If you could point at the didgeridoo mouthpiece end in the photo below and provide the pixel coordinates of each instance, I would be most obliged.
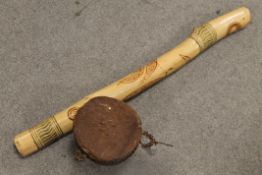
(24, 144)
(231, 22)
(220, 27)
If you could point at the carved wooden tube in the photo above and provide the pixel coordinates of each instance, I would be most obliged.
(201, 38)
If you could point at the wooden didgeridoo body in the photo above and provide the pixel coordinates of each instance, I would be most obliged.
(201, 38)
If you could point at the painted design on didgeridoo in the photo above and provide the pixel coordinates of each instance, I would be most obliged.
(132, 77)
(71, 113)
(46, 132)
(184, 57)
(150, 69)
(204, 36)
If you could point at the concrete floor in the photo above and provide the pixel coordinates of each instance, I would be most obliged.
(52, 53)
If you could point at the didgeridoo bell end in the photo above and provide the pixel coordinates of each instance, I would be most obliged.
(25, 144)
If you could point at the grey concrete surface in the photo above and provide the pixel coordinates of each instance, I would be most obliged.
(52, 53)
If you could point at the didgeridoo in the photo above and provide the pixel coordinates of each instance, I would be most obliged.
(201, 38)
